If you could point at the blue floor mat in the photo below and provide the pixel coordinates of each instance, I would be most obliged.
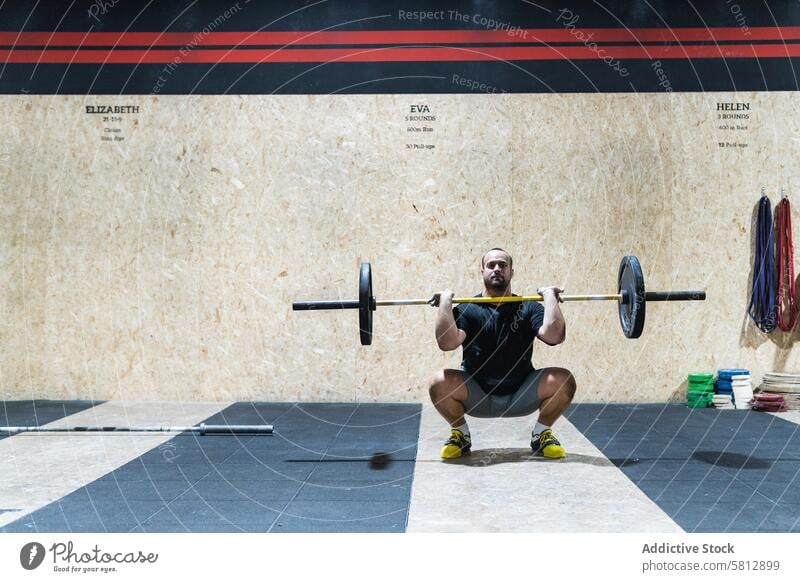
(709, 470)
(316, 474)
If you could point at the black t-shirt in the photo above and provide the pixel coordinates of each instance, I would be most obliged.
(499, 342)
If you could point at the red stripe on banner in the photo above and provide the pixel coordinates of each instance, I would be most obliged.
(356, 37)
(399, 54)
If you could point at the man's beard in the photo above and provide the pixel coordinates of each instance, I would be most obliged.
(496, 284)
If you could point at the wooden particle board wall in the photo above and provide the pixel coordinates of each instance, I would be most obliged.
(163, 265)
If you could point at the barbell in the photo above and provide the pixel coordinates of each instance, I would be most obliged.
(631, 297)
(202, 429)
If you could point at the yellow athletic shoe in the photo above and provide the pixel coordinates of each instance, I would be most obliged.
(546, 445)
(458, 444)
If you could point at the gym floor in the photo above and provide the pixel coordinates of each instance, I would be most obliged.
(630, 468)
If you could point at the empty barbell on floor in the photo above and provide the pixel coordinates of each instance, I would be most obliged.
(202, 429)
(630, 296)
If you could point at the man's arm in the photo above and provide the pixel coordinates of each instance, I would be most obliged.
(553, 330)
(448, 336)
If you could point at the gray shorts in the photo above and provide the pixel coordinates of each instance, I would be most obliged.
(523, 402)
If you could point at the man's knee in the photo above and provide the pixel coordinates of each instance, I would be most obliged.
(562, 382)
(445, 384)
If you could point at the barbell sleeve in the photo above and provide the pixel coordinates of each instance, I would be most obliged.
(675, 295)
(318, 305)
(265, 429)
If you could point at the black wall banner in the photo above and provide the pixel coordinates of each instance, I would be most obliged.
(397, 46)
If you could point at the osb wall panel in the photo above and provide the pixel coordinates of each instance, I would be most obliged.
(164, 266)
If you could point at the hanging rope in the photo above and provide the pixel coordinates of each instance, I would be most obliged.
(762, 307)
(784, 258)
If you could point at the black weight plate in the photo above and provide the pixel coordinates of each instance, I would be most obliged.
(365, 304)
(630, 283)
